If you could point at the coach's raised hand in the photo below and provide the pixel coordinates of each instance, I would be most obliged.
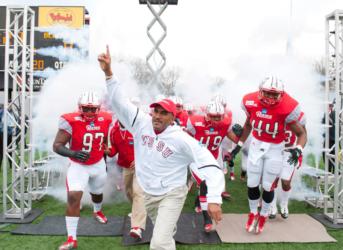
(105, 62)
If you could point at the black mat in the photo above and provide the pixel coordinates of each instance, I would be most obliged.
(190, 230)
(146, 235)
(31, 217)
(326, 222)
(55, 225)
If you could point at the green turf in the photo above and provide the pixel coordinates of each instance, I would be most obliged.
(237, 204)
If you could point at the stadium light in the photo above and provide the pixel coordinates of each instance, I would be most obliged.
(170, 2)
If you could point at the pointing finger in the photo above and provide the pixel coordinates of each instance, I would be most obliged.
(107, 50)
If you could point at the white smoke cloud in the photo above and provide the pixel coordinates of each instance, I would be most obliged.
(69, 35)
(63, 54)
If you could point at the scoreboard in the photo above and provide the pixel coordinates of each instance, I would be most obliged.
(45, 17)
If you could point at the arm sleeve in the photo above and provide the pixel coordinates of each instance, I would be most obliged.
(293, 116)
(206, 168)
(127, 113)
(64, 125)
(244, 108)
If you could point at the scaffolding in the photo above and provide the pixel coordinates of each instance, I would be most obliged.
(154, 67)
(17, 155)
(333, 194)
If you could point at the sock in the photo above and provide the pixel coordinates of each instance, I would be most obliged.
(97, 206)
(284, 197)
(253, 204)
(203, 203)
(71, 223)
(232, 169)
(273, 208)
(265, 208)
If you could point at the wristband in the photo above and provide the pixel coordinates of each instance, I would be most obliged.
(300, 147)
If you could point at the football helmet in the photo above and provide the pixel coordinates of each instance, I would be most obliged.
(271, 91)
(89, 105)
(220, 99)
(214, 112)
(177, 100)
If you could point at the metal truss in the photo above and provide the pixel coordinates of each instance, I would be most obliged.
(154, 66)
(333, 196)
(18, 156)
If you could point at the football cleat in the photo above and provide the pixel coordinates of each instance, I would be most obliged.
(198, 209)
(232, 176)
(273, 211)
(69, 244)
(284, 212)
(260, 225)
(252, 221)
(100, 217)
(208, 225)
(136, 233)
(226, 195)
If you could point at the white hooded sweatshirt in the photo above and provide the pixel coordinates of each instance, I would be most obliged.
(162, 160)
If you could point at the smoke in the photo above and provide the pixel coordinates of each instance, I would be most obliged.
(239, 61)
(302, 189)
(56, 168)
(63, 54)
(80, 37)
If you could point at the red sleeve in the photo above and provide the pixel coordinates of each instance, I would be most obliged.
(113, 151)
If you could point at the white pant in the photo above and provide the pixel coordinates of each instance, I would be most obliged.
(164, 211)
(264, 163)
(79, 176)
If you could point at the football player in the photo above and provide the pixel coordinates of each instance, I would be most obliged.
(122, 144)
(86, 133)
(287, 172)
(181, 114)
(209, 130)
(268, 111)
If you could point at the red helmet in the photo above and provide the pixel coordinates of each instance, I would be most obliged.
(271, 91)
(89, 105)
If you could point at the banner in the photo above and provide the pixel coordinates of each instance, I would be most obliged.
(72, 17)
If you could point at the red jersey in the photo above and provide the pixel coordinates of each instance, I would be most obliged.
(208, 135)
(122, 143)
(87, 136)
(181, 118)
(290, 136)
(269, 123)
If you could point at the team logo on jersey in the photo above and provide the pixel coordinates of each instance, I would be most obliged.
(211, 131)
(261, 114)
(264, 111)
(250, 103)
(91, 127)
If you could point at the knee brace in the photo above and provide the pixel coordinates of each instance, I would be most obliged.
(268, 196)
(254, 193)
